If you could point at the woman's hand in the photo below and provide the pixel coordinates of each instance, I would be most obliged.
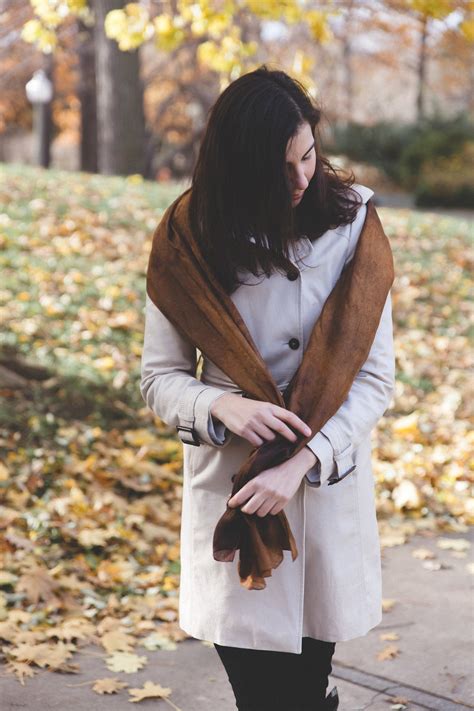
(255, 420)
(271, 490)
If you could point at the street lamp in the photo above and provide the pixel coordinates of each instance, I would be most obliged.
(39, 91)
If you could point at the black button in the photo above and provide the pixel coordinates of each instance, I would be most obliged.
(292, 275)
(294, 343)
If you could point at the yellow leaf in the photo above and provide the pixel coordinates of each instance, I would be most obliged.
(92, 537)
(423, 553)
(406, 425)
(389, 652)
(125, 662)
(117, 641)
(387, 604)
(149, 691)
(389, 636)
(108, 685)
(455, 544)
(105, 363)
(406, 495)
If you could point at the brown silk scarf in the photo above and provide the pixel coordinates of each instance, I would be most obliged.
(181, 285)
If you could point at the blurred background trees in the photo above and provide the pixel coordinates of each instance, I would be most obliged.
(133, 82)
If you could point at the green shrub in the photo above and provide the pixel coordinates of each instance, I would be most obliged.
(402, 150)
(432, 139)
(448, 182)
(380, 145)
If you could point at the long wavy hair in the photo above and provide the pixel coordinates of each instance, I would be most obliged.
(240, 188)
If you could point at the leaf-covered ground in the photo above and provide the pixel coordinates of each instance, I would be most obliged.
(90, 479)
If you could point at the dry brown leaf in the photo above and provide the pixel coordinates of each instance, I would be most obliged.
(406, 495)
(150, 690)
(73, 628)
(44, 654)
(7, 516)
(21, 670)
(423, 553)
(38, 585)
(389, 652)
(435, 565)
(455, 544)
(118, 641)
(389, 540)
(389, 636)
(8, 631)
(108, 685)
(125, 662)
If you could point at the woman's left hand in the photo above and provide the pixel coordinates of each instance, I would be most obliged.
(271, 490)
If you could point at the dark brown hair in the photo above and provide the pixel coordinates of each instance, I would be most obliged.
(240, 187)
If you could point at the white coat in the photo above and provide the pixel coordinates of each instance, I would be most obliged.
(332, 591)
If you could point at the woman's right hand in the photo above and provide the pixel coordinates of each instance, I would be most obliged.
(256, 421)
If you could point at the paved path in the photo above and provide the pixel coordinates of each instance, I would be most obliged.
(433, 669)
(407, 200)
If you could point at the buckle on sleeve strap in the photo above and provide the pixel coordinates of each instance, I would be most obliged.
(184, 438)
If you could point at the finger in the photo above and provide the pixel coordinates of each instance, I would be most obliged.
(293, 420)
(280, 427)
(242, 494)
(276, 508)
(255, 502)
(253, 438)
(265, 431)
(266, 507)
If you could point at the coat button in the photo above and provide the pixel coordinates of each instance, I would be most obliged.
(292, 275)
(294, 343)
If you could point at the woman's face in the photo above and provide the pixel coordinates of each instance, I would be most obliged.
(300, 161)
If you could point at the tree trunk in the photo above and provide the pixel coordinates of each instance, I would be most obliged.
(421, 73)
(87, 97)
(43, 120)
(120, 114)
(348, 79)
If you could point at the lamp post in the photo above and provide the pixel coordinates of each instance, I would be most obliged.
(39, 91)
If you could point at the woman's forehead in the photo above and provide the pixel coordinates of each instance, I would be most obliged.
(300, 143)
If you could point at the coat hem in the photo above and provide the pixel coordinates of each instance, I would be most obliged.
(327, 637)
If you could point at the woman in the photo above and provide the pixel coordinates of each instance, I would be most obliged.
(277, 225)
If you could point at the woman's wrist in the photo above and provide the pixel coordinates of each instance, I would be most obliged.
(218, 403)
(307, 458)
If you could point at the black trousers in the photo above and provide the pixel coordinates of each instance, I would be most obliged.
(264, 680)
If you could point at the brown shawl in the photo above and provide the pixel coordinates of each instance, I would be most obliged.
(181, 285)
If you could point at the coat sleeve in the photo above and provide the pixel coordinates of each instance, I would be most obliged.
(368, 399)
(168, 384)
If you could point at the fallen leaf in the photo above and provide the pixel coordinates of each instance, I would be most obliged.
(455, 544)
(435, 565)
(149, 691)
(389, 636)
(117, 641)
(125, 662)
(423, 553)
(392, 539)
(108, 685)
(389, 652)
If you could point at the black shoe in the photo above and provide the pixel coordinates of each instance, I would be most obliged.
(331, 702)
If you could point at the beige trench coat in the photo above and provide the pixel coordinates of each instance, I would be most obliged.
(332, 591)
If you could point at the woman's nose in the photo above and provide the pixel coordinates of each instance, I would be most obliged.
(300, 182)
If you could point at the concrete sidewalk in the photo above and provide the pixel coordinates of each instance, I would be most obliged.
(432, 669)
